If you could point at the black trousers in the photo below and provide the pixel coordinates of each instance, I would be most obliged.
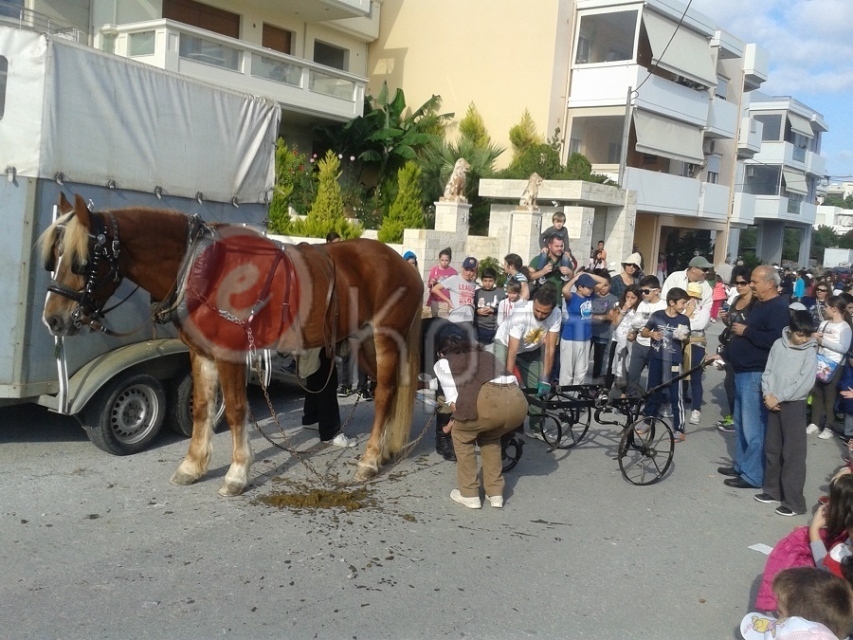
(785, 455)
(321, 399)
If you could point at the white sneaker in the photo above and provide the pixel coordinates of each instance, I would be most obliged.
(694, 417)
(342, 441)
(533, 433)
(496, 501)
(471, 503)
(826, 434)
(812, 429)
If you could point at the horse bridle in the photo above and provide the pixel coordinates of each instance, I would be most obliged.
(102, 250)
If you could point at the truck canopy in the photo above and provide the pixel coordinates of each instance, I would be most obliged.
(97, 118)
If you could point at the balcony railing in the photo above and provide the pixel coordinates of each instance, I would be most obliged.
(291, 81)
(676, 195)
(16, 16)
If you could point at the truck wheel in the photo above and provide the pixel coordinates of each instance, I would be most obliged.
(125, 416)
(181, 407)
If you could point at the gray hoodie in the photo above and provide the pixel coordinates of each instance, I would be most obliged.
(791, 369)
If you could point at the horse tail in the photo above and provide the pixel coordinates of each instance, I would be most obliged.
(403, 405)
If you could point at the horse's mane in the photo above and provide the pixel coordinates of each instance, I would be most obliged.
(75, 239)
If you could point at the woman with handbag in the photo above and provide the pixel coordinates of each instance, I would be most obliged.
(833, 335)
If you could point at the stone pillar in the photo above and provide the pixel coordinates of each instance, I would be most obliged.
(579, 225)
(524, 232)
(769, 241)
(452, 216)
(805, 247)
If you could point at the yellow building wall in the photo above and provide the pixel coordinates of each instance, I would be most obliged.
(504, 56)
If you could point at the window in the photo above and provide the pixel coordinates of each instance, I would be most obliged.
(141, 44)
(614, 152)
(202, 16)
(277, 39)
(762, 180)
(772, 126)
(11, 9)
(330, 56)
(4, 71)
(712, 177)
(606, 37)
(574, 146)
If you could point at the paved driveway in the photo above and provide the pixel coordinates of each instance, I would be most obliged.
(97, 546)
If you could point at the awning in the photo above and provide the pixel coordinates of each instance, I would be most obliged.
(795, 182)
(800, 125)
(660, 136)
(688, 55)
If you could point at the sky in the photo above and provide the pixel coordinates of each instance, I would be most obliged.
(810, 43)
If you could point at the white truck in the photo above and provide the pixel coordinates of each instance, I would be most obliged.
(119, 133)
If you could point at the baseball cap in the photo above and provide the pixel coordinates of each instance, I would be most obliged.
(469, 263)
(694, 290)
(701, 263)
(797, 306)
(756, 626)
(634, 259)
(585, 280)
(409, 255)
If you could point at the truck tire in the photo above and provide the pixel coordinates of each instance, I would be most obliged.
(181, 403)
(126, 415)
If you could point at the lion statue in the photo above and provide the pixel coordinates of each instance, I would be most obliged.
(531, 191)
(456, 184)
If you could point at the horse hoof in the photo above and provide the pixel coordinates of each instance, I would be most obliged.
(231, 489)
(366, 471)
(182, 479)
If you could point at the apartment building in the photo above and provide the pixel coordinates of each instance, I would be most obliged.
(654, 94)
(779, 184)
(308, 55)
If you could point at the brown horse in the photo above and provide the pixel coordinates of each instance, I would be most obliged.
(320, 294)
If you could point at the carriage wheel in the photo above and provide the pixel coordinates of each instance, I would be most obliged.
(552, 430)
(125, 416)
(511, 450)
(181, 407)
(645, 450)
(574, 423)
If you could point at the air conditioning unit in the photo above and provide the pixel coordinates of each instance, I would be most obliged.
(708, 147)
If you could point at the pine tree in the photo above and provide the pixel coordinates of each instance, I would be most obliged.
(473, 128)
(405, 212)
(327, 212)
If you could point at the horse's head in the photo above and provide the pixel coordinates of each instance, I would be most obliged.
(82, 250)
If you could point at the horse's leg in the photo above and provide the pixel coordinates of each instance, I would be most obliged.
(195, 464)
(232, 377)
(381, 358)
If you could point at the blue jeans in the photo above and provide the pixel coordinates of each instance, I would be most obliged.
(750, 418)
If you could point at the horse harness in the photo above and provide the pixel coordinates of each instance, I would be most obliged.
(102, 250)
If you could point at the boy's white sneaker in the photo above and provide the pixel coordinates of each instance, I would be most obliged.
(812, 429)
(496, 501)
(826, 434)
(471, 503)
(694, 417)
(342, 441)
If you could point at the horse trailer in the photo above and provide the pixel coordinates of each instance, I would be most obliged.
(74, 120)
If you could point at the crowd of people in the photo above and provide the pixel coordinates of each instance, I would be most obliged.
(785, 347)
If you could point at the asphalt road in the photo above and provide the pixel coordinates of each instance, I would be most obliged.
(97, 546)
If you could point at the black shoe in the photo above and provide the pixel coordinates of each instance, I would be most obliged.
(844, 438)
(366, 394)
(728, 471)
(738, 483)
(765, 498)
(785, 511)
(444, 448)
(344, 391)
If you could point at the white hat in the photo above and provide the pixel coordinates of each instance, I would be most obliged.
(634, 259)
(756, 626)
(797, 306)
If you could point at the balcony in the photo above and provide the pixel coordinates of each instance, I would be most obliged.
(669, 194)
(783, 153)
(297, 84)
(749, 137)
(755, 66)
(607, 84)
(743, 209)
(782, 208)
(815, 164)
(722, 120)
(322, 10)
